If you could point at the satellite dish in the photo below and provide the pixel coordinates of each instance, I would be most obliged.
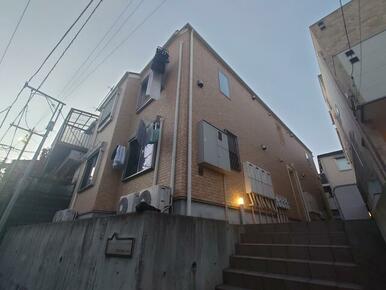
(123, 206)
(145, 197)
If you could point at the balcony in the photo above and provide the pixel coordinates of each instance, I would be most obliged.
(74, 138)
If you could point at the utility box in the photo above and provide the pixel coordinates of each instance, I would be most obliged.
(213, 150)
(258, 180)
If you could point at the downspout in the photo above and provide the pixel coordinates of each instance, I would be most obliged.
(175, 130)
(155, 176)
(189, 183)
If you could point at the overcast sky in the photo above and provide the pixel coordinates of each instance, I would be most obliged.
(267, 42)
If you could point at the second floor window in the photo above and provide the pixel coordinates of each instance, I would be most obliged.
(140, 158)
(143, 96)
(106, 112)
(224, 84)
(89, 171)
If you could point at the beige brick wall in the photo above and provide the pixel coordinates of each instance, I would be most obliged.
(248, 119)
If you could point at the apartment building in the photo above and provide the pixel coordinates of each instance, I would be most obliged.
(350, 48)
(188, 122)
(340, 189)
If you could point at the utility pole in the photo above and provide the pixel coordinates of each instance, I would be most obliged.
(22, 184)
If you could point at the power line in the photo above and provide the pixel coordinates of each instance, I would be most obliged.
(110, 39)
(61, 40)
(14, 32)
(344, 23)
(360, 45)
(70, 43)
(64, 52)
(117, 47)
(96, 47)
(8, 109)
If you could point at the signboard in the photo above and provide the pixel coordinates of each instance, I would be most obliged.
(119, 247)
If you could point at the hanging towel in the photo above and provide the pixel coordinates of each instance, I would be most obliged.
(119, 158)
(141, 133)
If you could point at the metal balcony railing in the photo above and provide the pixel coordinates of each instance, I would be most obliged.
(77, 130)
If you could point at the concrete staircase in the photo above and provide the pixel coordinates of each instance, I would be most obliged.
(292, 256)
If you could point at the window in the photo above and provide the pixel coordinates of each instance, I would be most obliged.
(143, 97)
(224, 84)
(342, 164)
(106, 112)
(234, 156)
(89, 171)
(140, 158)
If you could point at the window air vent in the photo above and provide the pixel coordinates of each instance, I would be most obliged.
(321, 25)
(349, 53)
(354, 59)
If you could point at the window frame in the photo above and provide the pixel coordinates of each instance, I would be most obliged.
(114, 98)
(125, 178)
(98, 153)
(140, 103)
(220, 72)
(235, 152)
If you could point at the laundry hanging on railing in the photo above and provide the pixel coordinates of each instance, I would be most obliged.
(118, 156)
(153, 131)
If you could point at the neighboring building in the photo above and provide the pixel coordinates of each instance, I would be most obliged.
(350, 47)
(339, 184)
(50, 186)
(213, 140)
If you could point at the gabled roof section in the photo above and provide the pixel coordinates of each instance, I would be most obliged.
(190, 27)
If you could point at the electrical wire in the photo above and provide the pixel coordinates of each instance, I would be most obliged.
(109, 41)
(60, 40)
(360, 46)
(96, 47)
(117, 47)
(8, 109)
(14, 32)
(61, 56)
(344, 23)
(64, 52)
(69, 44)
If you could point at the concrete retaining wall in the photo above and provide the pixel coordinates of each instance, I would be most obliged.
(170, 252)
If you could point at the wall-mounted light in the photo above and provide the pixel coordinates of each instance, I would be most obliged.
(240, 201)
(263, 147)
(200, 84)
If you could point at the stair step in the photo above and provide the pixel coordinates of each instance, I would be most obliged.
(229, 287)
(334, 271)
(337, 253)
(330, 238)
(269, 281)
(310, 227)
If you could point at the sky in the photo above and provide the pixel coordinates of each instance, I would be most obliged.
(267, 42)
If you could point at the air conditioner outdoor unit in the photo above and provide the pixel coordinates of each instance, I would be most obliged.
(64, 215)
(157, 196)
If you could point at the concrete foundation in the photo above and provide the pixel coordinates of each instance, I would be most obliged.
(170, 252)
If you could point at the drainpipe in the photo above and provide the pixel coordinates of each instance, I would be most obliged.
(175, 130)
(155, 176)
(189, 183)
